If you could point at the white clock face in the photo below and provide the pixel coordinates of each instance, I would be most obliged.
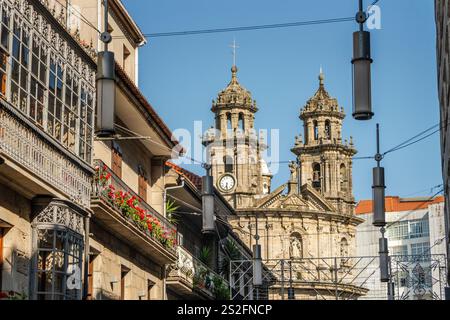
(226, 183)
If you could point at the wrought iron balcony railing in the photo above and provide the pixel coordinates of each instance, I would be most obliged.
(117, 194)
(30, 147)
(198, 276)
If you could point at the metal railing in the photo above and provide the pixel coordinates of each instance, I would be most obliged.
(350, 278)
(102, 190)
(23, 143)
(198, 275)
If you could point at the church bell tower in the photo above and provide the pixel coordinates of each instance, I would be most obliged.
(233, 148)
(325, 159)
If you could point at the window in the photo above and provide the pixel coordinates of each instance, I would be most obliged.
(420, 250)
(411, 229)
(59, 256)
(398, 231)
(228, 161)
(116, 160)
(316, 178)
(5, 27)
(241, 121)
(19, 65)
(3, 73)
(419, 229)
(327, 130)
(142, 183)
(123, 273)
(229, 124)
(316, 130)
(58, 247)
(47, 84)
(90, 293)
(343, 178)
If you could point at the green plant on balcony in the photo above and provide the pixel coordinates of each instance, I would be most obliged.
(200, 278)
(129, 206)
(205, 255)
(232, 254)
(171, 208)
(221, 290)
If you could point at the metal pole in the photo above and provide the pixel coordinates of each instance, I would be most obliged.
(106, 21)
(282, 279)
(391, 284)
(336, 278)
(361, 25)
(86, 257)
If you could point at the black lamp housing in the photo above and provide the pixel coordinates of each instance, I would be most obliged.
(208, 225)
(384, 260)
(106, 94)
(378, 191)
(257, 266)
(362, 86)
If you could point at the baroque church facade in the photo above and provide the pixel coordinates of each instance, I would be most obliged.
(308, 219)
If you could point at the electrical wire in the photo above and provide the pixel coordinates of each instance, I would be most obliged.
(390, 224)
(410, 141)
(244, 28)
(78, 14)
(249, 28)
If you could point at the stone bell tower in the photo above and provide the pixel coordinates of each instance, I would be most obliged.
(234, 150)
(325, 159)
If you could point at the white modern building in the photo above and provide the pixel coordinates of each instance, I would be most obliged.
(416, 235)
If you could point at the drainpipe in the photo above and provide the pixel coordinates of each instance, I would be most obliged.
(86, 256)
(165, 194)
(165, 213)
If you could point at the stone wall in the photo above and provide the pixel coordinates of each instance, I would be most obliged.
(15, 210)
(111, 254)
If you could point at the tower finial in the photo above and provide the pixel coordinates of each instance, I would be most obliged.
(234, 47)
(321, 76)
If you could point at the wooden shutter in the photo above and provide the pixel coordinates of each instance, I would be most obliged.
(90, 293)
(116, 161)
(122, 285)
(3, 84)
(142, 184)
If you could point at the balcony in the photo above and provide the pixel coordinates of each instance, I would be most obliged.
(35, 164)
(62, 12)
(121, 211)
(192, 279)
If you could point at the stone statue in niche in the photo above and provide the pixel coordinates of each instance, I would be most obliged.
(296, 246)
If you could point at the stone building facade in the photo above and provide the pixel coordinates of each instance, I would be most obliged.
(46, 150)
(443, 65)
(310, 218)
(82, 217)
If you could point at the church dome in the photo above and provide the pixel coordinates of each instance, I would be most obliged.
(234, 95)
(321, 102)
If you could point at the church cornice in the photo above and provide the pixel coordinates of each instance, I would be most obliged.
(293, 213)
(318, 148)
(318, 113)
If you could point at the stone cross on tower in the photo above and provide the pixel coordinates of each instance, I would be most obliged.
(234, 47)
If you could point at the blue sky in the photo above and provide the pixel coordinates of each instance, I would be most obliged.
(181, 75)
